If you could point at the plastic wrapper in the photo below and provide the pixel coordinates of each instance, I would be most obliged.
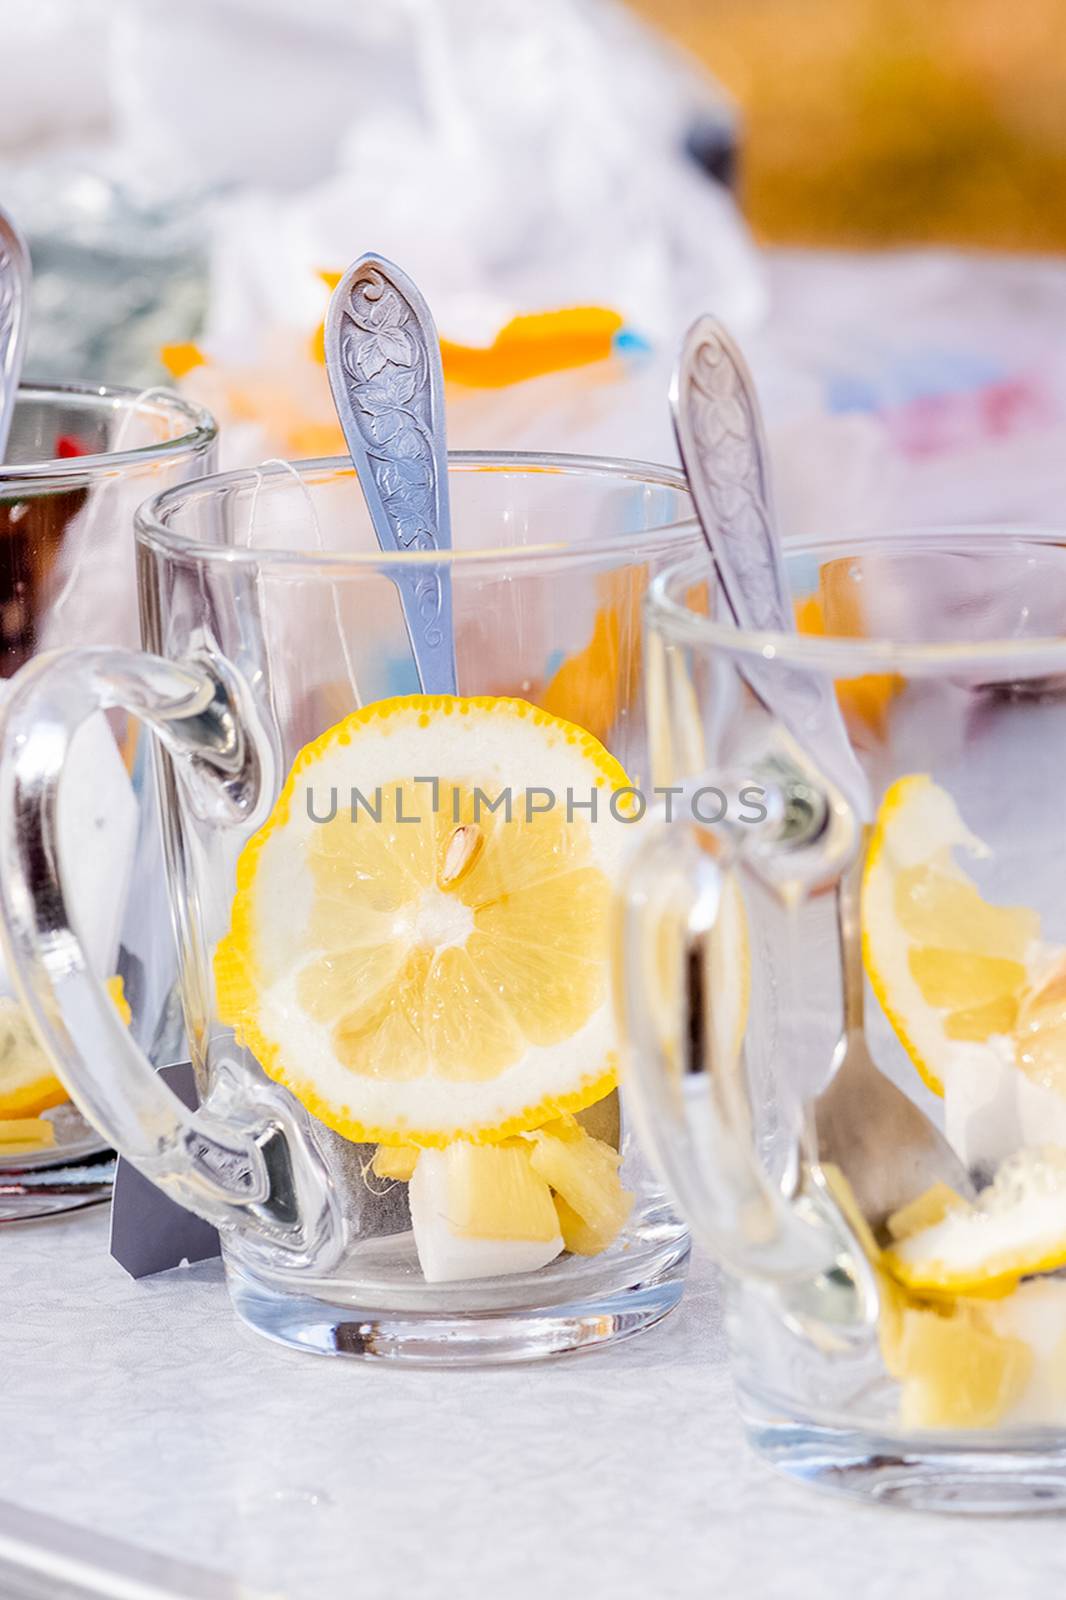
(516, 162)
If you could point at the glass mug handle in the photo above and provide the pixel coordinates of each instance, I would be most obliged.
(254, 1173)
(686, 1088)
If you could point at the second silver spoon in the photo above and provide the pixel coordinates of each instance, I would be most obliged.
(886, 1147)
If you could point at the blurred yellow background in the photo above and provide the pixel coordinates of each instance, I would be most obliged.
(871, 122)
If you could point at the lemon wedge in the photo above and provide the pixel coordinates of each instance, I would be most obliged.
(1017, 1227)
(948, 968)
(417, 968)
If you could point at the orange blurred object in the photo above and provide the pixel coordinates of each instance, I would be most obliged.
(180, 359)
(863, 700)
(526, 347)
(530, 346)
(587, 687)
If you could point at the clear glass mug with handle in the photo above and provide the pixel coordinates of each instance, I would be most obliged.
(80, 460)
(926, 1364)
(391, 909)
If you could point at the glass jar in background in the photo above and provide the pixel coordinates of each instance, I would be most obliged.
(80, 459)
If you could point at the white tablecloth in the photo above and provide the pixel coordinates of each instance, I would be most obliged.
(145, 1412)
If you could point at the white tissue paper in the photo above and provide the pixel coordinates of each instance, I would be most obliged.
(515, 160)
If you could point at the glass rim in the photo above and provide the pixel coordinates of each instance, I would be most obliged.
(201, 433)
(846, 657)
(153, 532)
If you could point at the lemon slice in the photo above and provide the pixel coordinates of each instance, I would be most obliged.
(1016, 1228)
(949, 969)
(418, 968)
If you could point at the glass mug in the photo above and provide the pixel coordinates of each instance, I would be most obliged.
(924, 1364)
(80, 460)
(355, 1216)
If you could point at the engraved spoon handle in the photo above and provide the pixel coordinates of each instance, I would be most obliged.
(384, 366)
(14, 308)
(720, 435)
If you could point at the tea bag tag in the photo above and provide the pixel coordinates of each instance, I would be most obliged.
(149, 1231)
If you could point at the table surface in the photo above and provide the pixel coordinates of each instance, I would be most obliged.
(144, 1412)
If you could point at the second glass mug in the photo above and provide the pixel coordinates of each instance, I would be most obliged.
(926, 1365)
(270, 616)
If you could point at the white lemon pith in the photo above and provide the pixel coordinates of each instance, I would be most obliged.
(420, 981)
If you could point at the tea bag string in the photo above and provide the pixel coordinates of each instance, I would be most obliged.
(96, 500)
(287, 466)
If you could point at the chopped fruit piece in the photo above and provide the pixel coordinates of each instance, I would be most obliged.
(948, 967)
(493, 1193)
(28, 1085)
(479, 1211)
(584, 1172)
(925, 1211)
(395, 1161)
(1017, 1227)
(956, 1372)
(960, 1363)
(578, 1237)
(21, 1136)
(419, 968)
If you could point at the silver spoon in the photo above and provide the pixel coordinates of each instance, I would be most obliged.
(722, 442)
(14, 309)
(384, 366)
(887, 1148)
